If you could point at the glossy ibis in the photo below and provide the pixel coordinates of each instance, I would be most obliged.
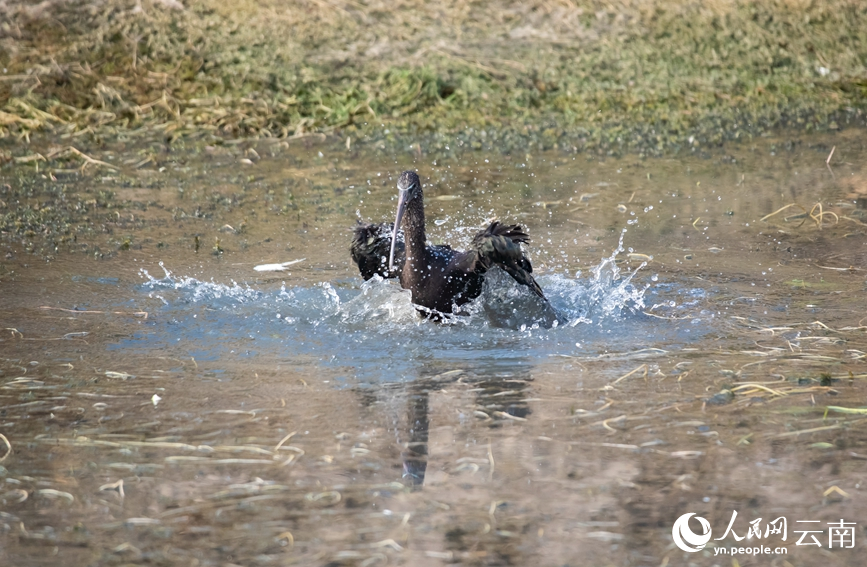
(439, 277)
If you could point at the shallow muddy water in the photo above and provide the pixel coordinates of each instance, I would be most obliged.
(167, 404)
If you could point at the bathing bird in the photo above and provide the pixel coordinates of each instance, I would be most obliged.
(439, 277)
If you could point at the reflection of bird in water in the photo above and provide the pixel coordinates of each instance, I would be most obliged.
(506, 395)
(414, 455)
(439, 277)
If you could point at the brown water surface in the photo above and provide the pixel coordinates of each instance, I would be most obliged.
(166, 404)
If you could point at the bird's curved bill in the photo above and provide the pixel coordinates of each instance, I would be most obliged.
(401, 208)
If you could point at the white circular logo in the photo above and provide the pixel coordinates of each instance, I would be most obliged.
(685, 538)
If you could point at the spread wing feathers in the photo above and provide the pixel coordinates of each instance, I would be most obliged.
(371, 244)
(500, 245)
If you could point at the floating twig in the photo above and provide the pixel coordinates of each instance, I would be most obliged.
(839, 409)
(51, 493)
(118, 486)
(780, 210)
(89, 160)
(491, 461)
(287, 438)
(755, 386)
(142, 314)
(628, 374)
(8, 447)
(820, 217)
(802, 431)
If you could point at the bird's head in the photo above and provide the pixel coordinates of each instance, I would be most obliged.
(408, 190)
(408, 187)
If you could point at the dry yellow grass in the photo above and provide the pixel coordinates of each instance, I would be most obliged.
(627, 74)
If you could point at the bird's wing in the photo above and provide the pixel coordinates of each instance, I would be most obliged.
(500, 245)
(371, 244)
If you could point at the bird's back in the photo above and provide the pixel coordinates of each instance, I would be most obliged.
(437, 280)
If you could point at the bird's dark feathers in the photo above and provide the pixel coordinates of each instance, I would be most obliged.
(439, 278)
(370, 247)
(497, 245)
(371, 244)
(500, 245)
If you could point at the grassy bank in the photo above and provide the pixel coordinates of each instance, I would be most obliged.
(611, 76)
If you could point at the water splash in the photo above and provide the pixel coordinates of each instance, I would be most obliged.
(372, 330)
(605, 295)
(197, 290)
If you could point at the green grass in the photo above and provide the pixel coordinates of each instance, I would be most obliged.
(644, 76)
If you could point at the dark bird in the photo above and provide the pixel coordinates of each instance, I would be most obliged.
(439, 277)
